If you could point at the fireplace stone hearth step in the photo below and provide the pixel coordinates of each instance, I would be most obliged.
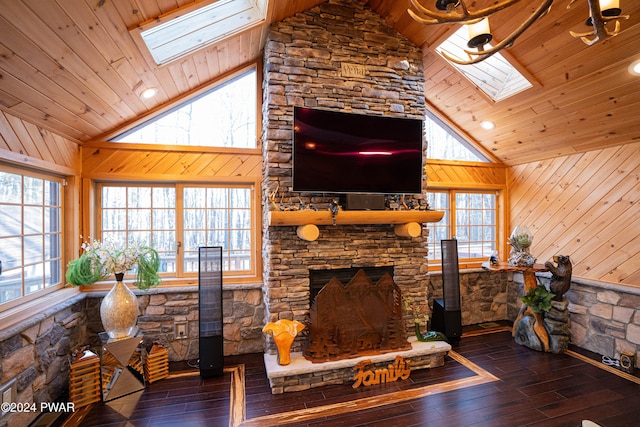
(302, 374)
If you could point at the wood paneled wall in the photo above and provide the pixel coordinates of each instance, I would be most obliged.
(452, 174)
(585, 206)
(108, 161)
(25, 143)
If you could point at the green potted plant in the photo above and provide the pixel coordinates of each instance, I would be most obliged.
(539, 299)
(119, 308)
(102, 259)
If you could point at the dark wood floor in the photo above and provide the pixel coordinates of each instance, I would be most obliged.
(532, 389)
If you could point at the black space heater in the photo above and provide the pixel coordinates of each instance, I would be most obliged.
(446, 316)
(211, 343)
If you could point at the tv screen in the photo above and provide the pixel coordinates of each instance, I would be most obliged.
(355, 153)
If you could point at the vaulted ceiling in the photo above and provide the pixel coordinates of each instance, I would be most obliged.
(72, 66)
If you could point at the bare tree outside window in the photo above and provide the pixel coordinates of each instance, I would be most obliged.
(225, 116)
(210, 216)
(445, 144)
(30, 234)
(469, 216)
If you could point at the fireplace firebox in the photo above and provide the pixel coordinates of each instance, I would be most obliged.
(356, 319)
(319, 278)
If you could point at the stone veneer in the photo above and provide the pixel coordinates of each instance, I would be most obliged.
(36, 353)
(483, 294)
(304, 375)
(162, 308)
(303, 60)
(604, 317)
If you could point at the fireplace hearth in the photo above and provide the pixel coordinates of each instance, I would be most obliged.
(357, 319)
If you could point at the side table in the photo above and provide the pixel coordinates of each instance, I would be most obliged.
(530, 282)
(121, 366)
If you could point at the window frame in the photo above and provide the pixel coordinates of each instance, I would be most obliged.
(180, 276)
(225, 251)
(46, 290)
(451, 226)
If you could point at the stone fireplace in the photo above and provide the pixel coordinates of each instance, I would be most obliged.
(308, 62)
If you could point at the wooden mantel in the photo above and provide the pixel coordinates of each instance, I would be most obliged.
(278, 218)
(407, 222)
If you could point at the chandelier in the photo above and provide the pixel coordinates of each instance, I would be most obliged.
(477, 21)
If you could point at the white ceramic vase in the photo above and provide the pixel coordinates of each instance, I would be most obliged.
(119, 311)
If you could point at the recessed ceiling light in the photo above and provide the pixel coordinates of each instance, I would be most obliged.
(487, 125)
(634, 68)
(148, 93)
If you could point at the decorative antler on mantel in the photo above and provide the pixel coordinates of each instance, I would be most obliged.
(458, 12)
(598, 20)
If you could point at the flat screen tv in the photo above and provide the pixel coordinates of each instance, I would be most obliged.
(355, 153)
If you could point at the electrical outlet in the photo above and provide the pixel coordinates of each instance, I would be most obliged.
(182, 330)
(627, 362)
(9, 393)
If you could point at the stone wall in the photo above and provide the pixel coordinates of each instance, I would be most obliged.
(162, 308)
(483, 294)
(604, 317)
(36, 353)
(303, 63)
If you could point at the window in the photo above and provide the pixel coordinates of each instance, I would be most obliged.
(218, 217)
(177, 219)
(446, 144)
(495, 76)
(30, 234)
(438, 230)
(184, 31)
(225, 116)
(470, 217)
(476, 227)
(144, 214)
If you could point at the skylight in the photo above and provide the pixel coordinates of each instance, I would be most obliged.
(495, 76)
(183, 32)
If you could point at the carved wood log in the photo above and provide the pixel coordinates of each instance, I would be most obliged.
(286, 218)
(540, 330)
(410, 229)
(309, 232)
(538, 325)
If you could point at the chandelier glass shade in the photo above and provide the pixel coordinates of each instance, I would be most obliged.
(602, 12)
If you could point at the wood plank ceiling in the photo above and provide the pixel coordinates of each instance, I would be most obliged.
(71, 66)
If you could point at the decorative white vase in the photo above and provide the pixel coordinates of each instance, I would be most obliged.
(119, 311)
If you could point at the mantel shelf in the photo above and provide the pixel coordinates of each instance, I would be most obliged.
(284, 218)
